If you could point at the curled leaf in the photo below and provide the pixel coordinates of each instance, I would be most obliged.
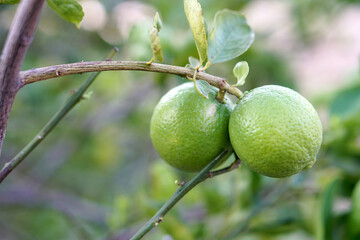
(230, 37)
(194, 15)
(155, 44)
(157, 22)
(240, 71)
(70, 10)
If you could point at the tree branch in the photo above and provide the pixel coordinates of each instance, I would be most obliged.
(18, 40)
(39, 74)
(71, 102)
(182, 191)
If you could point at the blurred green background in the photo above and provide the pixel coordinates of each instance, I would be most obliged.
(97, 175)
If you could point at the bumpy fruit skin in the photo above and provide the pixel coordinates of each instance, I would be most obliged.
(275, 131)
(187, 130)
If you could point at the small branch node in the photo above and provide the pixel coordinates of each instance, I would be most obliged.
(235, 164)
(222, 84)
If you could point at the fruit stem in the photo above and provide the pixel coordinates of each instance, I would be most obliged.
(220, 96)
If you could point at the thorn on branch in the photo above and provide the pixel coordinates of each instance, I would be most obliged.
(58, 72)
(86, 96)
(180, 183)
(160, 220)
(112, 54)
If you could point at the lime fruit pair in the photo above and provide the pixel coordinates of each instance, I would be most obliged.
(274, 130)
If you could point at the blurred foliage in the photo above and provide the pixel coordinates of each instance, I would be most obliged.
(97, 175)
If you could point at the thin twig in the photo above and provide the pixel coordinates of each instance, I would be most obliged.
(179, 193)
(69, 104)
(233, 166)
(39, 74)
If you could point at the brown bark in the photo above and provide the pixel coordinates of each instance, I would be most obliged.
(18, 40)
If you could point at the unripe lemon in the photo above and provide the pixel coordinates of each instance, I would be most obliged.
(275, 131)
(187, 130)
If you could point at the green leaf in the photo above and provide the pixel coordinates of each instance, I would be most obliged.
(194, 62)
(69, 10)
(241, 71)
(324, 226)
(194, 15)
(347, 103)
(9, 1)
(155, 44)
(354, 219)
(230, 37)
(203, 87)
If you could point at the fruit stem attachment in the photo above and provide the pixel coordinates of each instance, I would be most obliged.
(236, 92)
(234, 165)
(220, 96)
(183, 190)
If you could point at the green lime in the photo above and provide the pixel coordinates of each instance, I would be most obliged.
(275, 131)
(187, 130)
